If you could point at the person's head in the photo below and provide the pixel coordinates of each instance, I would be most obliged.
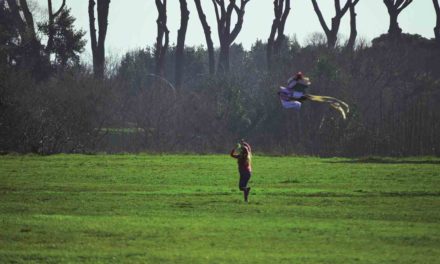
(298, 76)
(245, 152)
(244, 149)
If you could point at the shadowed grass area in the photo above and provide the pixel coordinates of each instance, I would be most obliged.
(187, 209)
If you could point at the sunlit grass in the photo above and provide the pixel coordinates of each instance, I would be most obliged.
(187, 209)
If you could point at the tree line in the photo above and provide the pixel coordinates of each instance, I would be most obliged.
(176, 98)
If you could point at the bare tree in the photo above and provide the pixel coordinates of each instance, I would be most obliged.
(437, 24)
(98, 45)
(24, 24)
(184, 17)
(29, 19)
(51, 29)
(29, 53)
(15, 12)
(332, 33)
(353, 30)
(162, 39)
(207, 31)
(281, 10)
(394, 8)
(223, 15)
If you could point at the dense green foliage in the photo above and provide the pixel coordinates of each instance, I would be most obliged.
(392, 89)
(187, 209)
(391, 86)
(68, 43)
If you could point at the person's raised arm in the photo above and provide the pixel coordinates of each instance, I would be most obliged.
(233, 154)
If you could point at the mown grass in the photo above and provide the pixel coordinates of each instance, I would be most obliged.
(187, 209)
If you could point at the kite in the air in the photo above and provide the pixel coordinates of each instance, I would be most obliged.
(294, 94)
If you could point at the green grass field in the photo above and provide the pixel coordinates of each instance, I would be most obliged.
(187, 209)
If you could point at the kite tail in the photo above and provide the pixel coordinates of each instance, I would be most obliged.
(335, 103)
(341, 110)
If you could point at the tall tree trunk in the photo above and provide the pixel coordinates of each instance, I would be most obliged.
(394, 30)
(223, 65)
(103, 7)
(280, 36)
(184, 17)
(24, 21)
(18, 21)
(93, 41)
(332, 33)
(207, 31)
(51, 29)
(437, 24)
(223, 15)
(271, 40)
(277, 29)
(29, 20)
(162, 39)
(353, 31)
(394, 8)
(98, 44)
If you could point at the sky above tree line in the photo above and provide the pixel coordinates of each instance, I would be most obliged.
(132, 23)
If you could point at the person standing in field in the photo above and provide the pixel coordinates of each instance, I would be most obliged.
(243, 153)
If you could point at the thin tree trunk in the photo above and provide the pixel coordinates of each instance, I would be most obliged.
(332, 33)
(223, 15)
(162, 39)
(18, 21)
(353, 31)
(437, 24)
(29, 20)
(93, 40)
(223, 65)
(184, 17)
(24, 21)
(24, 24)
(98, 44)
(394, 30)
(277, 29)
(103, 6)
(280, 36)
(332, 37)
(271, 39)
(207, 31)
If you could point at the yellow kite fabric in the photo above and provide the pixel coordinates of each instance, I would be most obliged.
(335, 103)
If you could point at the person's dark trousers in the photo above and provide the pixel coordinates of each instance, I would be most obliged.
(242, 185)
